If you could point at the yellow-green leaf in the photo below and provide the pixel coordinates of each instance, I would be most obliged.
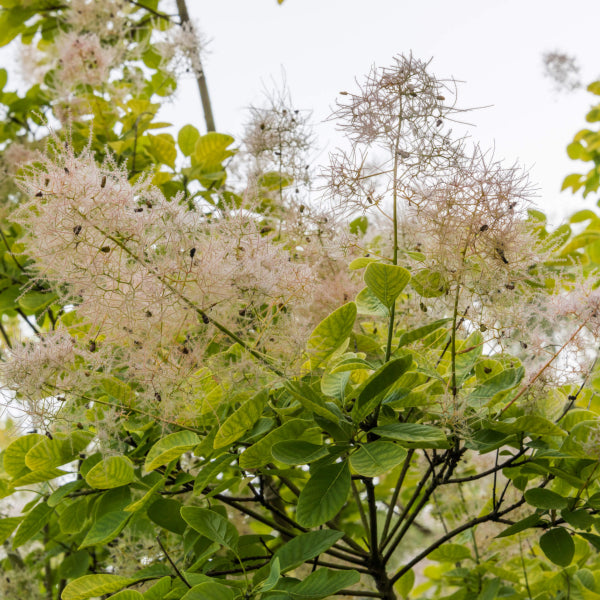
(111, 472)
(386, 281)
(241, 421)
(92, 586)
(330, 334)
(169, 448)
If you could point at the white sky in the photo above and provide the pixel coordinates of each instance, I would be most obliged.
(494, 46)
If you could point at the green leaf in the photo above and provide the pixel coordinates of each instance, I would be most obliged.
(166, 513)
(421, 436)
(367, 303)
(211, 150)
(359, 225)
(420, 332)
(558, 546)
(33, 302)
(32, 524)
(142, 502)
(310, 400)
(91, 586)
(375, 458)
(506, 380)
(304, 547)
(297, 452)
(259, 454)
(578, 518)
(74, 565)
(118, 389)
(274, 573)
(536, 425)
(73, 519)
(324, 494)
(159, 590)
(186, 138)
(386, 281)
(546, 499)
(15, 453)
(211, 525)
(106, 528)
(377, 383)
(127, 595)
(323, 583)
(274, 180)
(361, 262)
(111, 472)
(522, 525)
(7, 526)
(405, 584)
(330, 334)
(209, 590)
(428, 284)
(169, 448)
(450, 553)
(48, 453)
(241, 421)
(490, 589)
(210, 470)
(162, 148)
(591, 538)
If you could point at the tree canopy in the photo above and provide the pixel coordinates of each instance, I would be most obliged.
(222, 384)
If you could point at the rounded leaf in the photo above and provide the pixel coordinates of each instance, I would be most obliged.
(558, 546)
(376, 458)
(547, 499)
(330, 334)
(386, 281)
(111, 472)
(91, 586)
(323, 495)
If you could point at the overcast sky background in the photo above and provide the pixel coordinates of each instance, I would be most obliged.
(494, 47)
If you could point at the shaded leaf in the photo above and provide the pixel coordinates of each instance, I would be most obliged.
(558, 546)
(375, 458)
(211, 525)
(106, 528)
(324, 494)
(546, 499)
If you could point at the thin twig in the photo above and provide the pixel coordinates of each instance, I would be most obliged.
(179, 573)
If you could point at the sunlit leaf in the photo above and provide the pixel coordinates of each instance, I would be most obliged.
(386, 281)
(111, 472)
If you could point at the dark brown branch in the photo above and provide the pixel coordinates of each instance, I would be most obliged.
(491, 516)
(394, 500)
(179, 573)
(493, 469)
